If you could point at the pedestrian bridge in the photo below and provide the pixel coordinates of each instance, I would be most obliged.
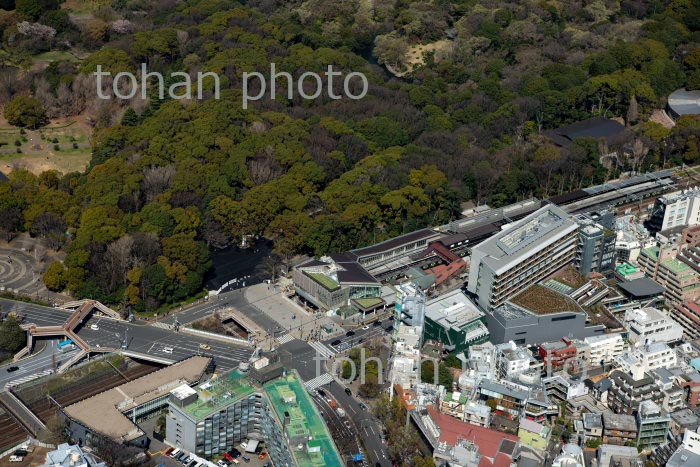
(81, 309)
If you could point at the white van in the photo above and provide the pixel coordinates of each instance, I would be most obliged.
(175, 452)
(16, 459)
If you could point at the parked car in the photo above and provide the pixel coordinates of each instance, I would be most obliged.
(221, 463)
(321, 393)
(175, 453)
(167, 350)
(365, 327)
(205, 346)
(12, 368)
(245, 458)
(94, 327)
(228, 456)
(377, 323)
(262, 455)
(363, 406)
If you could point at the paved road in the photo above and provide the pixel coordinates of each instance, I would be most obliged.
(41, 360)
(150, 340)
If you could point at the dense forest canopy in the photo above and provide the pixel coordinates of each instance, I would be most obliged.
(459, 115)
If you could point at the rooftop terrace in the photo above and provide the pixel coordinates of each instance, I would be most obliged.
(217, 393)
(289, 395)
(544, 301)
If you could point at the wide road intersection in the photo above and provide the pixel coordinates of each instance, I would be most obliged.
(149, 340)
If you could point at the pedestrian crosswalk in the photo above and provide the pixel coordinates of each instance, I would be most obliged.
(162, 325)
(318, 381)
(283, 339)
(24, 379)
(322, 349)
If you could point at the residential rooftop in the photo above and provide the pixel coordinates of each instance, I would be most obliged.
(619, 422)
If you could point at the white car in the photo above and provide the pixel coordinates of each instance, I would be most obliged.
(244, 444)
(94, 327)
(365, 327)
(167, 350)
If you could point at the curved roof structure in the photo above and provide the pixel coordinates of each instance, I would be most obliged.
(682, 102)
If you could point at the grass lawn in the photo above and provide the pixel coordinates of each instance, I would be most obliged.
(39, 152)
(56, 56)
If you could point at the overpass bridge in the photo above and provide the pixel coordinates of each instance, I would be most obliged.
(81, 309)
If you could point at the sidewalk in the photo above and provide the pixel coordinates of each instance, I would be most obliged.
(291, 316)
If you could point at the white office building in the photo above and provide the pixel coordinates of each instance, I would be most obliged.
(675, 209)
(647, 357)
(604, 348)
(511, 360)
(522, 254)
(647, 325)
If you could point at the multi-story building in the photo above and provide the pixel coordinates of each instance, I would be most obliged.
(688, 452)
(675, 209)
(333, 281)
(592, 426)
(455, 321)
(533, 434)
(519, 256)
(652, 425)
(627, 391)
(604, 348)
(217, 415)
(457, 443)
(669, 267)
(619, 429)
(540, 314)
(688, 316)
(595, 251)
(690, 236)
(511, 360)
(651, 325)
(509, 397)
(682, 420)
(410, 305)
(558, 353)
(647, 357)
(563, 387)
(611, 455)
(459, 406)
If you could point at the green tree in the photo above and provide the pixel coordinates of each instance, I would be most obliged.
(130, 118)
(25, 111)
(55, 277)
(12, 336)
(34, 8)
(55, 431)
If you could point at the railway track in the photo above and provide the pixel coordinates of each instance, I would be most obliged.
(12, 432)
(45, 409)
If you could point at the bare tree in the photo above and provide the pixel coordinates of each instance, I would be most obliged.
(156, 180)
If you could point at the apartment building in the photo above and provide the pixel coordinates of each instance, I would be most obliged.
(675, 209)
(557, 353)
(627, 391)
(651, 325)
(459, 406)
(509, 397)
(604, 348)
(652, 425)
(647, 357)
(592, 425)
(595, 250)
(619, 429)
(670, 267)
(521, 255)
(688, 316)
(511, 360)
(215, 416)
